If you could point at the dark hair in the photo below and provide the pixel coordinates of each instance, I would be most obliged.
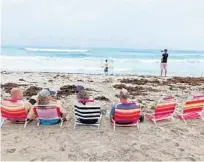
(165, 50)
(106, 60)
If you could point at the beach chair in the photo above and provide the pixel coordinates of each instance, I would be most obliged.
(48, 115)
(86, 113)
(198, 97)
(15, 114)
(193, 109)
(164, 109)
(126, 117)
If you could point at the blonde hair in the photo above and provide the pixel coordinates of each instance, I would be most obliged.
(41, 100)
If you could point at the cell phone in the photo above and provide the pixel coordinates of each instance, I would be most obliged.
(32, 101)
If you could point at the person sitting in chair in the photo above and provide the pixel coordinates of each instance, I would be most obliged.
(44, 97)
(83, 99)
(124, 104)
(16, 100)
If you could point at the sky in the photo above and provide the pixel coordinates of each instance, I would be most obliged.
(140, 24)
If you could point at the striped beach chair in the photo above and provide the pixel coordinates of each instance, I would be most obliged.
(89, 111)
(164, 109)
(48, 115)
(15, 114)
(201, 96)
(126, 117)
(192, 110)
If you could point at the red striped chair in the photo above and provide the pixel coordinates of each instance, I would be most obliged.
(164, 110)
(126, 117)
(198, 97)
(14, 114)
(48, 114)
(192, 109)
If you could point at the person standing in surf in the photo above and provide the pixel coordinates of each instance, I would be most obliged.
(164, 62)
(106, 67)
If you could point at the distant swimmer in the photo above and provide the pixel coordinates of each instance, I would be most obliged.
(164, 62)
(106, 67)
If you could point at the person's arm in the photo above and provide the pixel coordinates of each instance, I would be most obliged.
(62, 110)
(162, 57)
(31, 114)
(112, 113)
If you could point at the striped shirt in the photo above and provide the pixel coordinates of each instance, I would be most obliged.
(131, 105)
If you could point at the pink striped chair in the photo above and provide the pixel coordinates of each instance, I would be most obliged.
(192, 109)
(14, 114)
(164, 110)
(126, 117)
(48, 114)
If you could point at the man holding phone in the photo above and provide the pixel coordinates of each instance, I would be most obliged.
(164, 62)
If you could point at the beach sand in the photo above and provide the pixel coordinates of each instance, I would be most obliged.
(169, 141)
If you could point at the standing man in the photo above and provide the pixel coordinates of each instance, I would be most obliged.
(164, 62)
(106, 67)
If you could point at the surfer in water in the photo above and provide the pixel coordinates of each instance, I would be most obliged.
(106, 67)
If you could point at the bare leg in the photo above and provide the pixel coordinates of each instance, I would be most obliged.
(165, 72)
(165, 68)
(161, 72)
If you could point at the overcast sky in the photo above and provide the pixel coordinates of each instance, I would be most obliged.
(154, 24)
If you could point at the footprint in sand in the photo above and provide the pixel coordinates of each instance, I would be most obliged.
(10, 150)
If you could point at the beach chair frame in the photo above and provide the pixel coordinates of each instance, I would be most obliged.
(77, 122)
(51, 107)
(152, 117)
(195, 114)
(124, 111)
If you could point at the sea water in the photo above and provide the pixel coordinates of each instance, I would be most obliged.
(90, 60)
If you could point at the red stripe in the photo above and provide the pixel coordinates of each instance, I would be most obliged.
(127, 115)
(196, 109)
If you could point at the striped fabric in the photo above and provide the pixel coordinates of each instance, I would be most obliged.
(47, 112)
(199, 97)
(127, 115)
(192, 109)
(164, 110)
(48, 115)
(87, 112)
(13, 113)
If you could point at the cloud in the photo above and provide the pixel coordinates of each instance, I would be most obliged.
(104, 23)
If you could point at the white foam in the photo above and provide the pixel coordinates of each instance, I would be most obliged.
(55, 50)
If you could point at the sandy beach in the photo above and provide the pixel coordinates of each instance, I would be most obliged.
(169, 141)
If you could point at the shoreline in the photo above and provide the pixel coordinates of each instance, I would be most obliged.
(101, 74)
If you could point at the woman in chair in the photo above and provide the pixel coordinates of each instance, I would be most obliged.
(82, 100)
(45, 98)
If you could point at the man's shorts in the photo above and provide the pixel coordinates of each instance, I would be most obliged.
(163, 65)
(106, 69)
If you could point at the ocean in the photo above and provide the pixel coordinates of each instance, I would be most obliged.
(90, 61)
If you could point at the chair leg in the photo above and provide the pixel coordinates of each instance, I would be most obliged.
(155, 122)
(61, 122)
(38, 123)
(172, 119)
(201, 116)
(138, 127)
(114, 126)
(183, 119)
(26, 122)
(2, 122)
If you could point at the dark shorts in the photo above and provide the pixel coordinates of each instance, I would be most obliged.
(106, 69)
